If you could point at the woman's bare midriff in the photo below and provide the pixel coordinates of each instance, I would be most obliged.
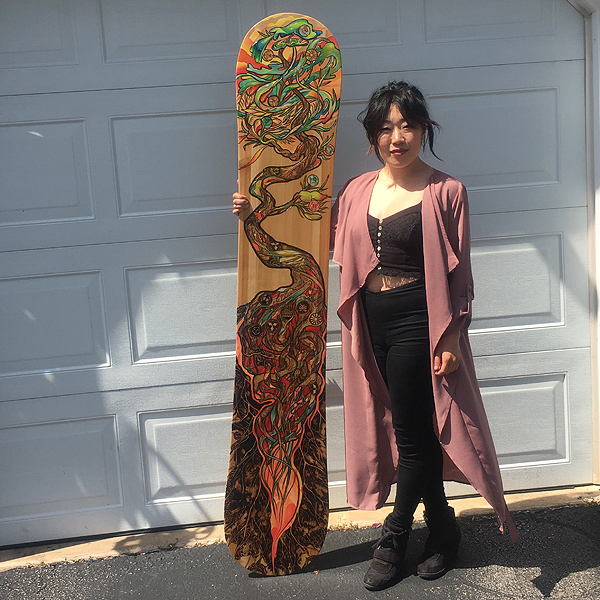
(376, 282)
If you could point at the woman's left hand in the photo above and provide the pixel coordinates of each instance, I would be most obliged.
(446, 357)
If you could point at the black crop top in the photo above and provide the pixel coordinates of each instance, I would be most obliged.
(398, 243)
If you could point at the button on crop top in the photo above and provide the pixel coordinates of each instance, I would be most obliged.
(398, 243)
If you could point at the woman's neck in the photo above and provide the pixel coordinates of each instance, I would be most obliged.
(411, 178)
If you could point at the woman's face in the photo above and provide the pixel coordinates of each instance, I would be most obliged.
(399, 143)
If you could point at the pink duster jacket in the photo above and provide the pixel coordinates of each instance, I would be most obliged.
(460, 420)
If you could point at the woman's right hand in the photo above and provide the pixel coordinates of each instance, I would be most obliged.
(240, 203)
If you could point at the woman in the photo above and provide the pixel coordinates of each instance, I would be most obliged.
(412, 407)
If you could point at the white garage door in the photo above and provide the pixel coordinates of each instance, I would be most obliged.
(117, 263)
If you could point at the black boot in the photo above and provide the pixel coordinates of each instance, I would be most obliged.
(386, 567)
(441, 546)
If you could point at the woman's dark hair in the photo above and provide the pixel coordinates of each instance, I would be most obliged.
(410, 102)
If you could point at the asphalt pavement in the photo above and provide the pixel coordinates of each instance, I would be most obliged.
(557, 556)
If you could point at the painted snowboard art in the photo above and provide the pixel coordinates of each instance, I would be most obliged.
(288, 93)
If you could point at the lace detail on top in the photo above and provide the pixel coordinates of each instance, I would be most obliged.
(398, 243)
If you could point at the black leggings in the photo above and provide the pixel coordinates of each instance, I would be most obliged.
(398, 325)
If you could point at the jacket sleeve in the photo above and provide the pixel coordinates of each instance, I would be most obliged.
(460, 279)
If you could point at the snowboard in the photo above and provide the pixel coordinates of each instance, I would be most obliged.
(288, 84)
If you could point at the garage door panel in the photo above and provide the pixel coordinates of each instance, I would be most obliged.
(161, 161)
(529, 293)
(512, 142)
(530, 416)
(462, 33)
(141, 30)
(47, 175)
(51, 34)
(185, 453)
(180, 435)
(523, 151)
(178, 311)
(70, 466)
(457, 21)
(52, 322)
(173, 170)
(527, 287)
